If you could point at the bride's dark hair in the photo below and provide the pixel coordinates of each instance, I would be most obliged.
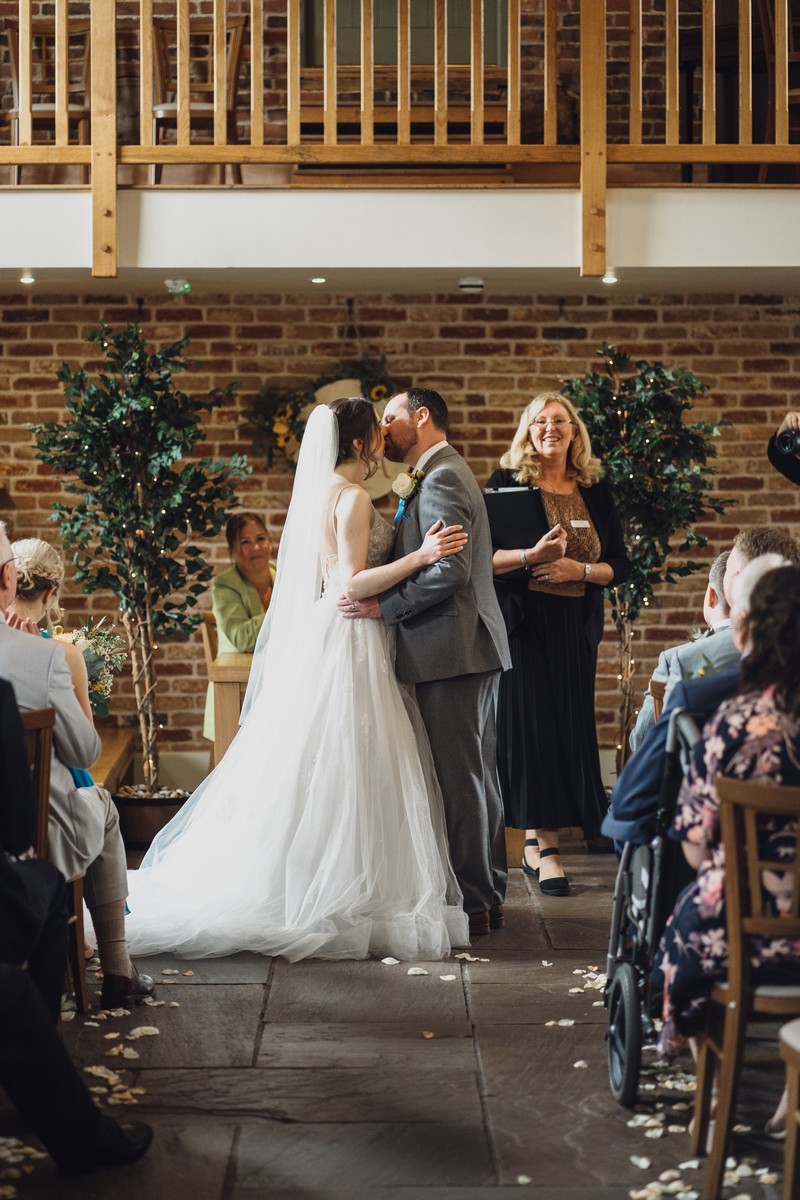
(356, 419)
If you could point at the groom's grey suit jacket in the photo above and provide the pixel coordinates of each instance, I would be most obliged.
(447, 618)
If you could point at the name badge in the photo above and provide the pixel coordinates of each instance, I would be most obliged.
(580, 524)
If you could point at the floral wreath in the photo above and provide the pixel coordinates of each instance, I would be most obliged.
(276, 417)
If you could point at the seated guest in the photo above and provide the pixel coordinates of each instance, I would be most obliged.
(755, 735)
(635, 796)
(84, 826)
(35, 1069)
(713, 652)
(780, 452)
(241, 594)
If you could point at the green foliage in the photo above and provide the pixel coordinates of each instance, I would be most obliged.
(655, 463)
(276, 417)
(124, 452)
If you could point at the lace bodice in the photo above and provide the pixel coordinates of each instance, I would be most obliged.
(381, 537)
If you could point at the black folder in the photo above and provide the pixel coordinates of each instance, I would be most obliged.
(516, 517)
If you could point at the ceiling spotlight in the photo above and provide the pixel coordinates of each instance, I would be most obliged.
(318, 279)
(610, 275)
(177, 287)
(470, 283)
(27, 277)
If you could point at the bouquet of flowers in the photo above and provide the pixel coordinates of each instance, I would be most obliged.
(104, 653)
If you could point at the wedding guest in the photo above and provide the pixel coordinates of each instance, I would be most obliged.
(755, 736)
(240, 595)
(714, 651)
(786, 460)
(547, 754)
(84, 826)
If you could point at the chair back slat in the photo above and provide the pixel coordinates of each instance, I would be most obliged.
(745, 809)
(208, 630)
(38, 725)
(657, 689)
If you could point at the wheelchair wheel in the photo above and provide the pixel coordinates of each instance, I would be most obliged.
(624, 1035)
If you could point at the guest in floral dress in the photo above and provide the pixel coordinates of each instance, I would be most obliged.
(755, 735)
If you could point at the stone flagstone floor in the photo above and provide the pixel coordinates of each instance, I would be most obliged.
(352, 1080)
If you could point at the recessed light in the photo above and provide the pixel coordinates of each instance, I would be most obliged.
(610, 275)
(318, 279)
(27, 277)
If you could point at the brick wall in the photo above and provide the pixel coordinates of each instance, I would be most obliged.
(488, 356)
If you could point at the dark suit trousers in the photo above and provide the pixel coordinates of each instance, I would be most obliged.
(33, 925)
(459, 715)
(39, 1076)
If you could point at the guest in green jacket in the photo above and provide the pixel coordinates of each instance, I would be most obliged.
(241, 594)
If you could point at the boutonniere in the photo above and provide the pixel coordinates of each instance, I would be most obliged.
(406, 486)
(408, 483)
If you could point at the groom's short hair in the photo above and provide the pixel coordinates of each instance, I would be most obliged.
(428, 398)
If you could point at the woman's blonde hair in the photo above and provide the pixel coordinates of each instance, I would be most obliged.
(523, 459)
(39, 568)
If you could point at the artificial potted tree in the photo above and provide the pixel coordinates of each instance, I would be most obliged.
(142, 500)
(656, 465)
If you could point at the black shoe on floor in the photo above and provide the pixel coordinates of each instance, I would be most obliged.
(123, 1144)
(553, 887)
(532, 871)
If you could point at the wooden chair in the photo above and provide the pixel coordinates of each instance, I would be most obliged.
(165, 111)
(208, 631)
(46, 85)
(744, 805)
(766, 17)
(789, 1040)
(657, 689)
(38, 726)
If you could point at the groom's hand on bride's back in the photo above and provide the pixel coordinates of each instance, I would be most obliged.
(360, 608)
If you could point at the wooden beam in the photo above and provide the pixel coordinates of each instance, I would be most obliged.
(476, 73)
(183, 114)
(550, 70)
(709, 73)
(367, 74)
(314, 152)
(745, 73)
(146, 73)
(293, 73)
(635, 59)
(440, 74)
(220, 82)
(25, 89)
(403, 72)
(257, 72)
(62, 73)
(330, 118)
(593, 137)
(104, 138)
(673, 68)
(781, 73)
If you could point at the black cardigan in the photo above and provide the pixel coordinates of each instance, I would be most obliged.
(605, 518)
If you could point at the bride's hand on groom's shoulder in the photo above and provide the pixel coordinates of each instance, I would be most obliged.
(361, 609)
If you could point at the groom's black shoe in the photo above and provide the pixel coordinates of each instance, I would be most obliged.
(479, 924)
(121, 1145)
(497, 917)
(121, 990)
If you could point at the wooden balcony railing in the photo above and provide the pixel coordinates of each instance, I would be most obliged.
(697, 90)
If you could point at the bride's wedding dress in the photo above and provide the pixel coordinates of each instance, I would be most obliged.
(321, 833)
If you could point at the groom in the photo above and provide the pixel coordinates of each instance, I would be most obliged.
(451, 643)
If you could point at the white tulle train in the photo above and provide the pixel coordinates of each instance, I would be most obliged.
(321, 833)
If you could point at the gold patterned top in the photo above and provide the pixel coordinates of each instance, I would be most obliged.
(583, 544)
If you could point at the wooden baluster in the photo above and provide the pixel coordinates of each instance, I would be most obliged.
(146, 73)
(293, 73)
(781, 74)
(25, 89)
(673, 70)
(593, 137)
(104, 137)
(329, 72)
(745, 74)
(61, 96)
(220, 81)
(184, 119)
(635, 58)
(476, 73)
(257, 73)
(513, 133)
(367, 74)
(403, 72)
(440, 75)
(551, 125)
(709, 74)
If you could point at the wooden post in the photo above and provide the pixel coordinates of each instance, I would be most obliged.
(330, 90)
(367, 74)
(673, 75)
(709, 74)
(745, 74)
(293, 73)
(257, 73)
(550, 71)
(62, 73)
(104, 138)
(403, 73)
(25, 123)
(593, 136)
(635, 56)
(440, 74)
(146, 73)
(220, 81)
(476, 73)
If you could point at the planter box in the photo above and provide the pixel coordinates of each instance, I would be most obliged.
(142, 817)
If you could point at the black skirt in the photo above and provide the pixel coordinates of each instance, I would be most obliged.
(547, 755)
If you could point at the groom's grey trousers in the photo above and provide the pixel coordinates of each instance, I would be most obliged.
(459, 715)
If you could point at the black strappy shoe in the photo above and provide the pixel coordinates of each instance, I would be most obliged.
(532, 871)
(553, 887)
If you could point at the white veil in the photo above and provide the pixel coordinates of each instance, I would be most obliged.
(298, 577)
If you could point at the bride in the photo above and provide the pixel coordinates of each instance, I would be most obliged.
(321, 833)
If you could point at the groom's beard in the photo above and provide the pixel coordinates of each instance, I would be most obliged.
(397, 453)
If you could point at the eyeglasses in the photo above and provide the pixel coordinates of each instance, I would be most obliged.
(543, 422)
